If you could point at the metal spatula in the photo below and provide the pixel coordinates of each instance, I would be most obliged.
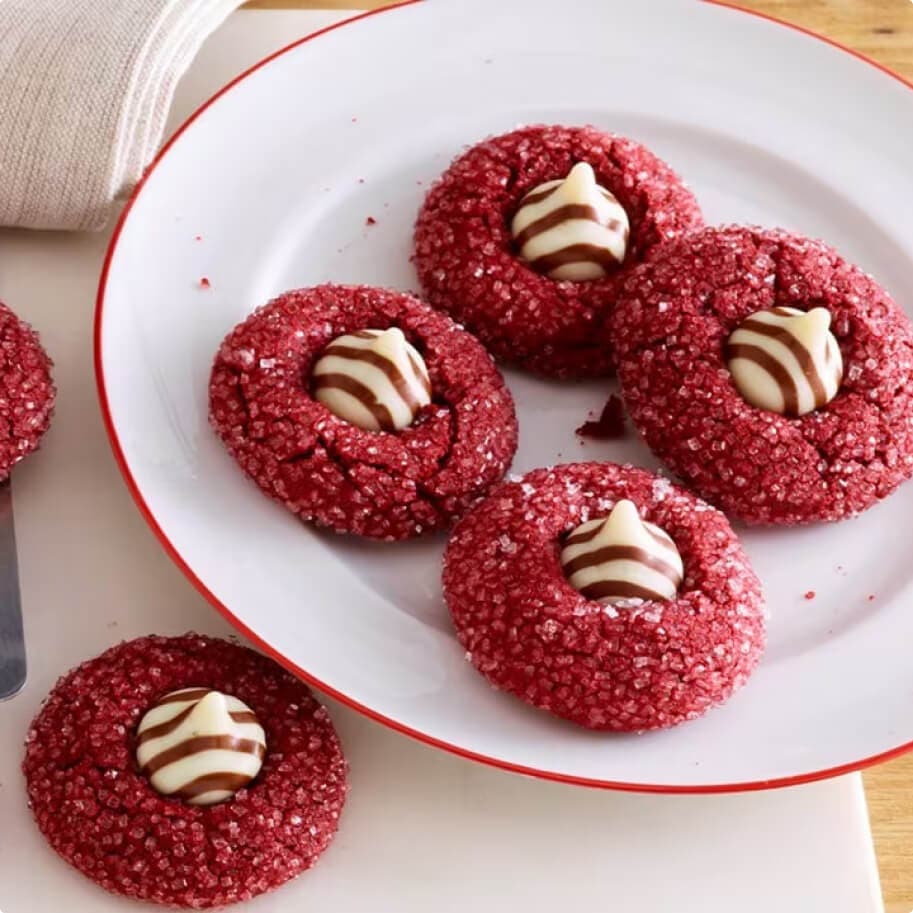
(12, 639)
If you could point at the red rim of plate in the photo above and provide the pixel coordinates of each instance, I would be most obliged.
(275, 654)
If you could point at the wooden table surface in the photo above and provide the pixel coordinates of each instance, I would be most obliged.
(883, 30)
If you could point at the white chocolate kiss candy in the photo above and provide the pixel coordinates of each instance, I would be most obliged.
(620, 557)
(571, 228)
(785, 360)
(199, 745)
(374, 379)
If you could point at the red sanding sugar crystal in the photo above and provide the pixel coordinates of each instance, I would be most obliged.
(628, 667)
(204, 282)
(326, 470)
(468, 266)
(611, 423)
(105, 819)
(669, 329)
(26, 390)
(810, 595)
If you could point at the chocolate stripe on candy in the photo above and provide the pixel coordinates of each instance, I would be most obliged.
(543, 192)
(155, 732)
(620, 558)
(574, 253)
(556, 217)
(803, 357)
(342, 383)
(186, 694)
(418, 368)
(221, 781)
(617, 552)
(373, 379)
(199, 745)
(401, 384)
(571, 228)
(585, 533)
(777, 371)
(785, 360)
(613, 591)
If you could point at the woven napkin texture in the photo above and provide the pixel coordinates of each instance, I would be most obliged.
(85, 89)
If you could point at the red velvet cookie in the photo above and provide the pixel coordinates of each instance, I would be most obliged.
(633, 666)
(103, 816)
(26, 390)
(469, 266)
(323, 468)
(669, 331)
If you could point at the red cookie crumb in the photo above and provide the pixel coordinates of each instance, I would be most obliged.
(610, 424)
(105, 819)
(668, 329)
(27, 391)
(647, 666)
(321, 467)
(469, 268)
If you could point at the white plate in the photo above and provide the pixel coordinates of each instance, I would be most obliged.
(278, 175)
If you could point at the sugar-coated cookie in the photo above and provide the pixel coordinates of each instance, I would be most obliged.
(476, 261)
(682, 319)
(646, 660)
(265, 404)
(102, 814)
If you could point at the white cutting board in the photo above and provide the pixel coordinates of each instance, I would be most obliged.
(423, 831)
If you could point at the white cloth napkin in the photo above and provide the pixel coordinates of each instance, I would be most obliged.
(85, 88)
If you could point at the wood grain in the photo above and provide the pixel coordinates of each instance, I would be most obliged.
(883, 30)
(889, 789)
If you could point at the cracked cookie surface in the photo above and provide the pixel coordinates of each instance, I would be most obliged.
(324, 469)
(468, 265)
(669, 328)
